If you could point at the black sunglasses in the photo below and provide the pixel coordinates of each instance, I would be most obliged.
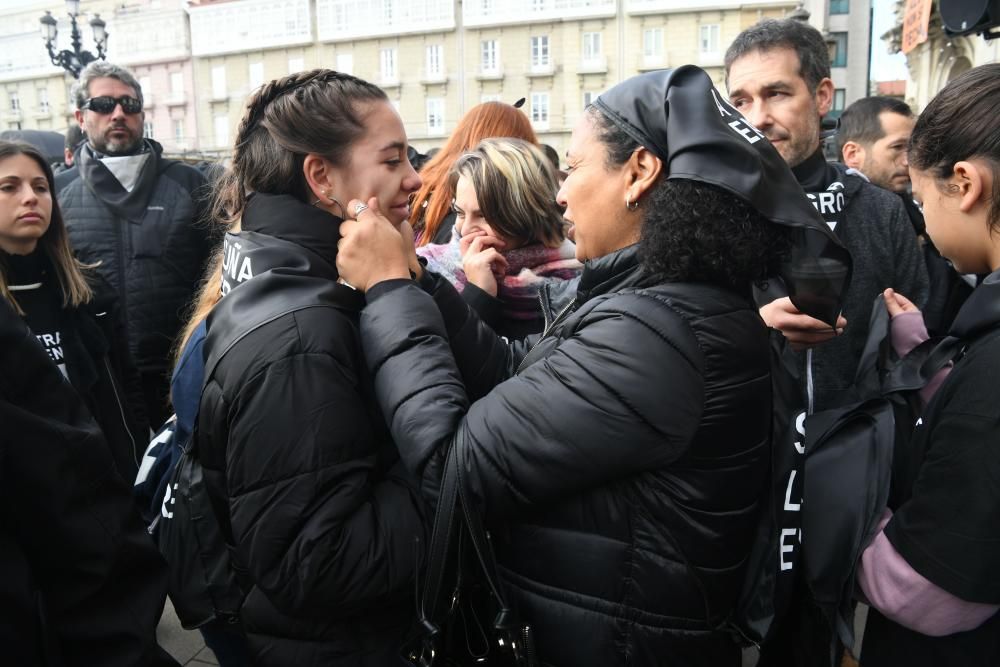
(107, 104)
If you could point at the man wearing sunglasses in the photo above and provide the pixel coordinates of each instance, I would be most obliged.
(138, 216)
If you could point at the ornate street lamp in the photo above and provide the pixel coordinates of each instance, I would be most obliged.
(73, 61)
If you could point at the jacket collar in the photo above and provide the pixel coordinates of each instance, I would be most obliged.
(130, 205)
(612, 272)
(286, 218)
(981, 311)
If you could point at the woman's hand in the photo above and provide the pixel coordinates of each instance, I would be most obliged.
(482, 262)
(897, 303)
(370, 249)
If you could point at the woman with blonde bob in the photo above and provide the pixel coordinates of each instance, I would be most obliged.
(70, 310)
(508, 246)
(432, 218)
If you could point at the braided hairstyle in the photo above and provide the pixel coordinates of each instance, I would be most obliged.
(318, 111)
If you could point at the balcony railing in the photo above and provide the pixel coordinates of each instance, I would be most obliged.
(593, 65)
(343, 20)
(667, 6)
(249, 25)
(491, 12)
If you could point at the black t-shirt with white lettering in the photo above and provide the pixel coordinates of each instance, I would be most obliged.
(33, 284)
(947, 527)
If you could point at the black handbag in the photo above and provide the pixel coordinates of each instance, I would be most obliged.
(464, 619)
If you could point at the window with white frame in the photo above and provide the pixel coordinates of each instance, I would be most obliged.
(147, 129)
(489, 59)
(588, 97)
(592, 48)
(435, 115)
(177, 85)
(146, 86)
(345, 63)
(43, 100)
(296, 65)
(15, 100)
(489, 97)
(540, 110)
(540, 53)
(387, 66)
(708, 38)
(435, 61)
(256, 75)
(178, 130)
(219, 85)
(221, 123)
(652, 45)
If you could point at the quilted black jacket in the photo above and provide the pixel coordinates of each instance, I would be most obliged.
(618, 463)
(153, 261)
(326, 528)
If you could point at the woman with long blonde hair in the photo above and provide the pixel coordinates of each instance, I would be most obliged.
(432, 217)
(508, 252)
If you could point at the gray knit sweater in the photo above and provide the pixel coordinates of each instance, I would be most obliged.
(873, 224)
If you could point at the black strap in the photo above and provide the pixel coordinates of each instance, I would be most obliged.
(447, 529)
(442, 535)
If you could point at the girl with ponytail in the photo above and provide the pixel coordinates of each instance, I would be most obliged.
(324, 526)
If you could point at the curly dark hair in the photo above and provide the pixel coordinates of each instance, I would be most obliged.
(697, 232)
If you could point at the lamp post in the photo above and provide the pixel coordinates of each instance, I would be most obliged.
(73, 61)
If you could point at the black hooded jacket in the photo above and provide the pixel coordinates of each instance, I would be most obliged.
(300, 468)
(618, 463)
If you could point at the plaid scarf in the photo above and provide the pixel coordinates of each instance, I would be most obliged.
(528, 268)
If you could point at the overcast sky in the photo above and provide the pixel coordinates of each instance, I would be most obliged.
(885, 67)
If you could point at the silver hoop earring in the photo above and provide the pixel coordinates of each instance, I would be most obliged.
(631, 205)
(334, 200)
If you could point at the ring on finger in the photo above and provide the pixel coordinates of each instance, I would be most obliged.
(359, 208)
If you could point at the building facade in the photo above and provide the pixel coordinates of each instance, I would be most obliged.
(198, 60)
(935, 62)
(438, 58)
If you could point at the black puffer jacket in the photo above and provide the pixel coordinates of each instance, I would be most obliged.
(619, 468)
(152, 250)
(299, 464)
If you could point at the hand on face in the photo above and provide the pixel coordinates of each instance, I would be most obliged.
(800, 330)
(371, 248)
(482, 262)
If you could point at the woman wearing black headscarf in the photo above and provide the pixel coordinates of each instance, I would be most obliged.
(619, 458)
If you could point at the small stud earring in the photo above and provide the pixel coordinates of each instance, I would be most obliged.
(631, 205)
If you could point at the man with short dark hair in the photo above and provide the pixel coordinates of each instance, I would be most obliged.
(873, 138)
(778, 75)
(139, 217)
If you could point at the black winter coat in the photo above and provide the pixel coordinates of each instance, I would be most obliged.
(299, 464)
(619, 463)
(95, 354)
(81, 583)
(152, 248)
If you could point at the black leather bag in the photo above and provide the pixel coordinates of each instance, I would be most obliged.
(464, 619)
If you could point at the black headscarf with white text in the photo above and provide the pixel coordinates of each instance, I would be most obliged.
(681, 118)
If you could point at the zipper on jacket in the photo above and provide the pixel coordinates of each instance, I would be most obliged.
(545, 332)
(122, 291)
(121, 409)
(809, 380)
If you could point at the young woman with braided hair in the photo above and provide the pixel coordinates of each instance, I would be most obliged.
(324, 526)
